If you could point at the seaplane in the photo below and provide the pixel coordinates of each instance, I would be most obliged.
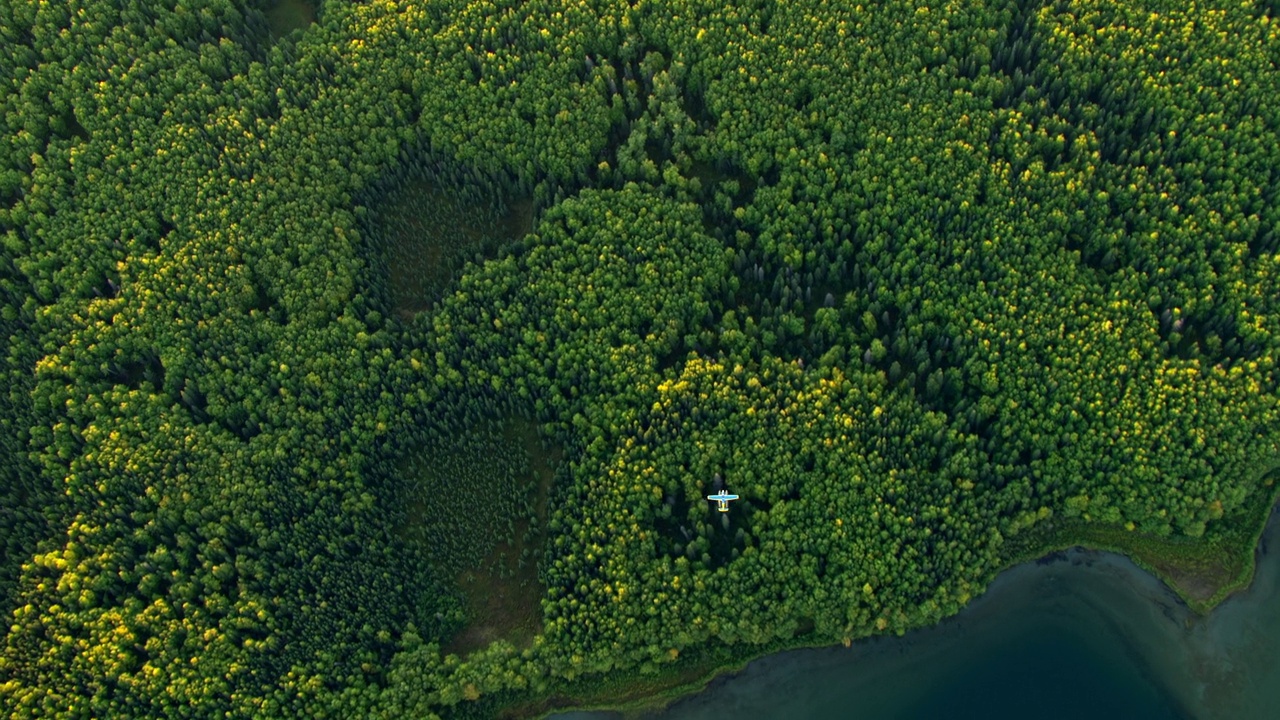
(722, 499)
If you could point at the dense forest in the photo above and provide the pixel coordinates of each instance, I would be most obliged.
(336, 332)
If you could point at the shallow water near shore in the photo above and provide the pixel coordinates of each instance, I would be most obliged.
(1080, 634)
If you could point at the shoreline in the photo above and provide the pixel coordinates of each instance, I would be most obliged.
(1185, 565)
(1237, 542)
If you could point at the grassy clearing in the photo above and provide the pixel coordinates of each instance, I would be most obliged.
(285, 16)
(544, 460)
(478, 513)
(472, 490)
(429, 233)
(503, 602)
(503, 593)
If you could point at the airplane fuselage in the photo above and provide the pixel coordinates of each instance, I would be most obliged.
(722, 500)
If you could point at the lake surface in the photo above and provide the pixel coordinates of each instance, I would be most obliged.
(1080, 635)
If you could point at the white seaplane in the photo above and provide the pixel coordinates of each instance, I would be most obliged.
(722, 499)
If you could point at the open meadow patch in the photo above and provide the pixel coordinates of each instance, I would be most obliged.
(430, 225)
(479, 511)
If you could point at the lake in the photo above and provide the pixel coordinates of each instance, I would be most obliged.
(1081, 634)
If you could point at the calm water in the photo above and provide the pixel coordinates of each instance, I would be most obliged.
(1087, 635)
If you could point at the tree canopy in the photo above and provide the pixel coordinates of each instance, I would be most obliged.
(911, 279)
